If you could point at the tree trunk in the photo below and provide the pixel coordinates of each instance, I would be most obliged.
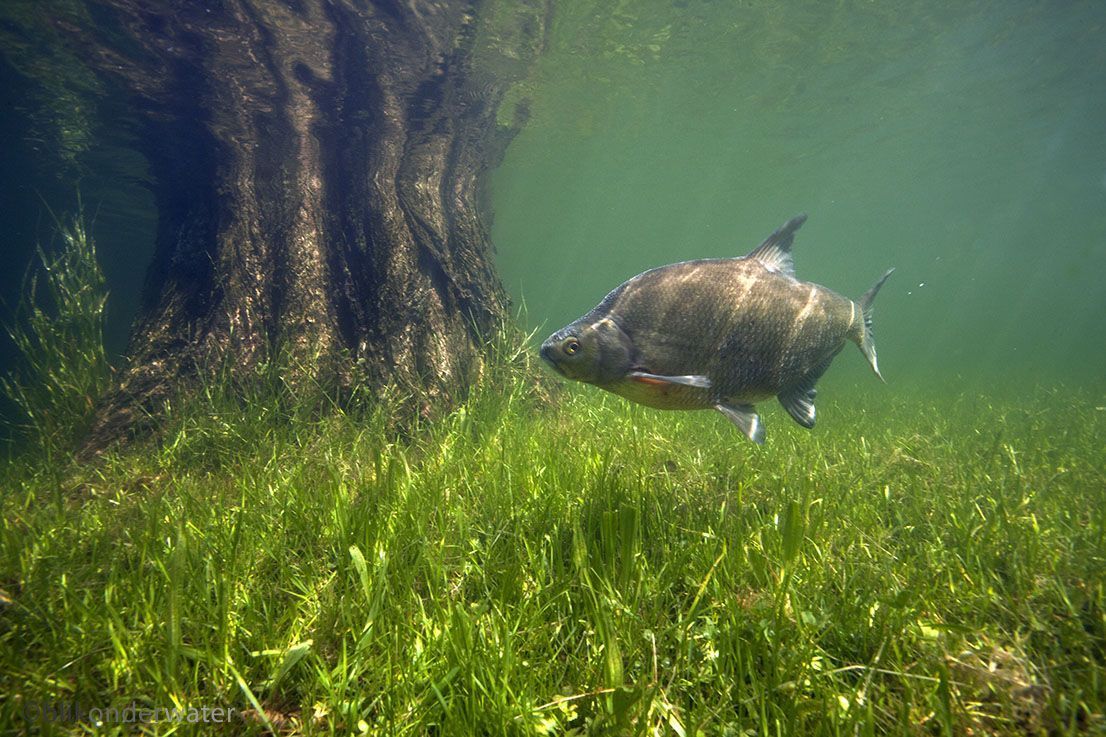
(317, 167)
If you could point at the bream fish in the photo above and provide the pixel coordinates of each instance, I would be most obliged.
(719, 334)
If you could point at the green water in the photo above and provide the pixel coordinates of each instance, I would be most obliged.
(963, 143)
(550, 560)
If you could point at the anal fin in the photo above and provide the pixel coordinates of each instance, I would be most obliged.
(746, 418)
(799, 403)
(798, 400)
(699, 382)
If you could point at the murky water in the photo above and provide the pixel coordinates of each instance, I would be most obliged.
(963, 143)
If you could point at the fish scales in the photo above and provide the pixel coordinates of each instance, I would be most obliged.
(716, 333)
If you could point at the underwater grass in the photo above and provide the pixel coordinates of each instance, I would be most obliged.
(548, 559)
(556, 561)
(57, 329)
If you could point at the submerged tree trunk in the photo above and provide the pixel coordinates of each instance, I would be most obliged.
(317, 167)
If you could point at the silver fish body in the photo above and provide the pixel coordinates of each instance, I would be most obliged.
(717, 334)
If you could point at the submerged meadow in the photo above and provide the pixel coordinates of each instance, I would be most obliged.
(533, 566)
(550, 560)
(544, 558)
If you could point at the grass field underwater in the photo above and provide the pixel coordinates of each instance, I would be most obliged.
(554, 561)
(548, 559)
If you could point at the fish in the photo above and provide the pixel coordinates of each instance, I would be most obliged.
(720, 334)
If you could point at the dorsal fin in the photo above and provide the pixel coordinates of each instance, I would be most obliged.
(775, 252)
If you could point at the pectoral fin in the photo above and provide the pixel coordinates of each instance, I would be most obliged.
(699, 382)
(746, 418)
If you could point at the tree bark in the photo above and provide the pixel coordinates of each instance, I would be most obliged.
(317, 166)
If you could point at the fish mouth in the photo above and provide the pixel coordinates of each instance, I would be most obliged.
(547, 356)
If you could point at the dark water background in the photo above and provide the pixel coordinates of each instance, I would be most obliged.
(962, 142)
(34, 187)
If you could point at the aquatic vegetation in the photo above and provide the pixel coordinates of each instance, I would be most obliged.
(58, 331)
(547, 563)
(520, 555)
(548, 560)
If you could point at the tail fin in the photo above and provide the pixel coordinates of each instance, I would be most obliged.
(867, 340)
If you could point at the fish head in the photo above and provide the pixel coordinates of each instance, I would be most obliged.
(596, 352)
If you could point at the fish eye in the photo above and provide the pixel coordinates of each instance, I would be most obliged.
(571, 346)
